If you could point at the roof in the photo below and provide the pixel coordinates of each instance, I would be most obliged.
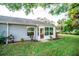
(16, 20)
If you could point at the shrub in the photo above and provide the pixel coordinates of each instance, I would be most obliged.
(2, 39)
(76, 32)
(22, 40)
(11, 38)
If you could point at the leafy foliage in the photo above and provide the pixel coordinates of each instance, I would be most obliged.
(60, 8)
(77, 32)
(28, 7)
(61, 25)
(68, 25)
(12, 6)
(55, 8)
(74, 14)
(2, 39)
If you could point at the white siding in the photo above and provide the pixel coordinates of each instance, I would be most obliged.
(3, 29)
(19, 32)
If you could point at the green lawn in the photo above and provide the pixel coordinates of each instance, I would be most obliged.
(67, 46)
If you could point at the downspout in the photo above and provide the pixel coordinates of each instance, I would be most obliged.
(7, 32)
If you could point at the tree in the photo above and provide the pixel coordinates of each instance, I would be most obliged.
(61, 24)
(74, 14)
(68, 25)
(28, 7)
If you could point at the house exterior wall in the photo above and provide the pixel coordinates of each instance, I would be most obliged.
(20, 31)
(3, 29)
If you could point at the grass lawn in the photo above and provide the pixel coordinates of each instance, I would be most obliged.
(67, 46)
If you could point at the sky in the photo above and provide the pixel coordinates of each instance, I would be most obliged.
(39, 12)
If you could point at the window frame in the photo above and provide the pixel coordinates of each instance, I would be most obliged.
(47, 31)
(30, 31)
(50, 30)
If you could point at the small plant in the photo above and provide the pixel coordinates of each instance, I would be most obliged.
(11, 38)
(2, 39)
(22, 40)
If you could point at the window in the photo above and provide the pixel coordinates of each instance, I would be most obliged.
(46, 33)
(30, 31)
(48, 30)
(51, 31)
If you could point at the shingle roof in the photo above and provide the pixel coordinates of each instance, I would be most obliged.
(16, 20)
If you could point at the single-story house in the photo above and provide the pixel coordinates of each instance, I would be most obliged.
(21, 28)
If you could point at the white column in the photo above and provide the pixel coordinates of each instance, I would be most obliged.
(39, 32)
(36, 33)
(7, 33)
(49, 31)
(54, 32)
(44, 32)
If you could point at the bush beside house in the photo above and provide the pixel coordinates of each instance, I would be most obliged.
(2, 39)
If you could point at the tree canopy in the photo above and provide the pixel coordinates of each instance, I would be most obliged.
(28, 7)
(55, 8)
